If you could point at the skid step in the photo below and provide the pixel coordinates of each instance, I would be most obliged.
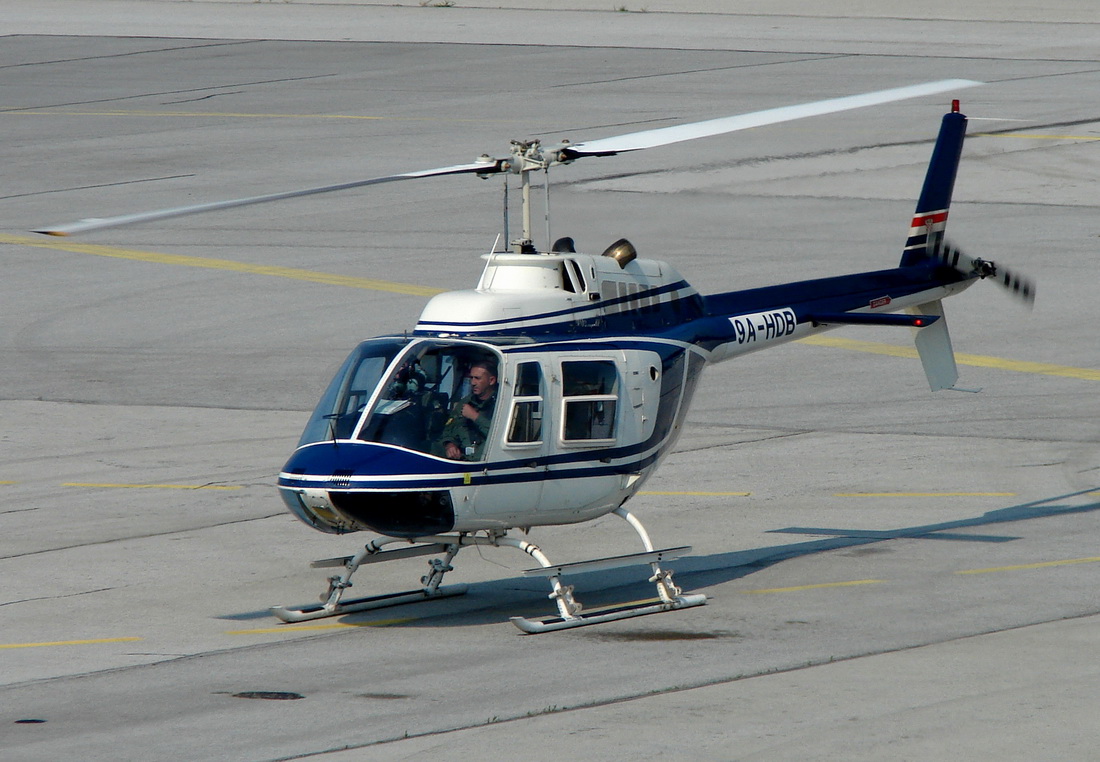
(611, 562)
(383, 555)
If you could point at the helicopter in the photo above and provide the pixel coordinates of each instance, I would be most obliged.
(548, 394)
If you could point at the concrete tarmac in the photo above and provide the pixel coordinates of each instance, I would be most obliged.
(892, 574)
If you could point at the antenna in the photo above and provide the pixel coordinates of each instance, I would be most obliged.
(506, 235)
(546, 205)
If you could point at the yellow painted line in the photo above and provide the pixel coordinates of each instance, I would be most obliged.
(313, 627)
(9, 482)
(981, 361)
(210, 263)
(1041, 565)
(101, 485)
(924, 494)
(814, 587)
(697, 494)
(69, 643)
(372, 284)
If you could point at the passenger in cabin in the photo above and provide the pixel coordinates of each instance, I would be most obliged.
(466, 430)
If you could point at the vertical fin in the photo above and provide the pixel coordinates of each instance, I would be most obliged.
(934, 347)
(930, 218)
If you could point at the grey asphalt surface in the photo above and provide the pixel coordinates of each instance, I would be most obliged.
(892, 574)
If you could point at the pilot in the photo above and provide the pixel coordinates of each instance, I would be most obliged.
(466, 430)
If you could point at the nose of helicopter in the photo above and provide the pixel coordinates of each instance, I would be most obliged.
(347, 487)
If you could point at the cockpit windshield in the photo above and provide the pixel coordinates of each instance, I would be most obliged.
(431, 396)
(343, 402)
(438, 398)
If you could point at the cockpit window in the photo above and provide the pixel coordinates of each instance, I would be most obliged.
(438, 398)
(348, 393)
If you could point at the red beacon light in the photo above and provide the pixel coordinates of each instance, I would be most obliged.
(955, 106)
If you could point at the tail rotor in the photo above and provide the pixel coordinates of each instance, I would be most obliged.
(1021, 287)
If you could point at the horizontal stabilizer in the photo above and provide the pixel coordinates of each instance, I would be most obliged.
(866, 318)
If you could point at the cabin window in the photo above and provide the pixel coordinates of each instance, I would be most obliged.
(590, 389)
(525, 426)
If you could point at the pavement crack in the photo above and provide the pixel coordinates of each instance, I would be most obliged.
(96, 186)
(755, 440)
(204, 98)
(57, 597)
(724, 680)
(150, 535)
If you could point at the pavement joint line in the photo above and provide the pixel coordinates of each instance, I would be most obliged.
(924, 494)
(42, 111)
(818, 586)
(103, 485)
(315, 627)
(1034, 137)
(93, 641)
(696, 494)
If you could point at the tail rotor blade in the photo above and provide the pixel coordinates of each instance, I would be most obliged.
(1022, 287)
(1018, 285)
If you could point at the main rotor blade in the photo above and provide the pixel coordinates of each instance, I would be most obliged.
(567, 152)
(678, 133)
(488, 167)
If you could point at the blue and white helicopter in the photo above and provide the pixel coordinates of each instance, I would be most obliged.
(549, 394)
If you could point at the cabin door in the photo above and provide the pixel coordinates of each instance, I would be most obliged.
(518, 461)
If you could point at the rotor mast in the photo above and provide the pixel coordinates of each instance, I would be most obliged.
(529, 156)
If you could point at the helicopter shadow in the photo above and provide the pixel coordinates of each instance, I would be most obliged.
(493, 601)
(705, 571)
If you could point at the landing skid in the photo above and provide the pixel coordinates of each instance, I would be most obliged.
(671, 597)
(570, 611)
(320, 611)
(609, 614)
